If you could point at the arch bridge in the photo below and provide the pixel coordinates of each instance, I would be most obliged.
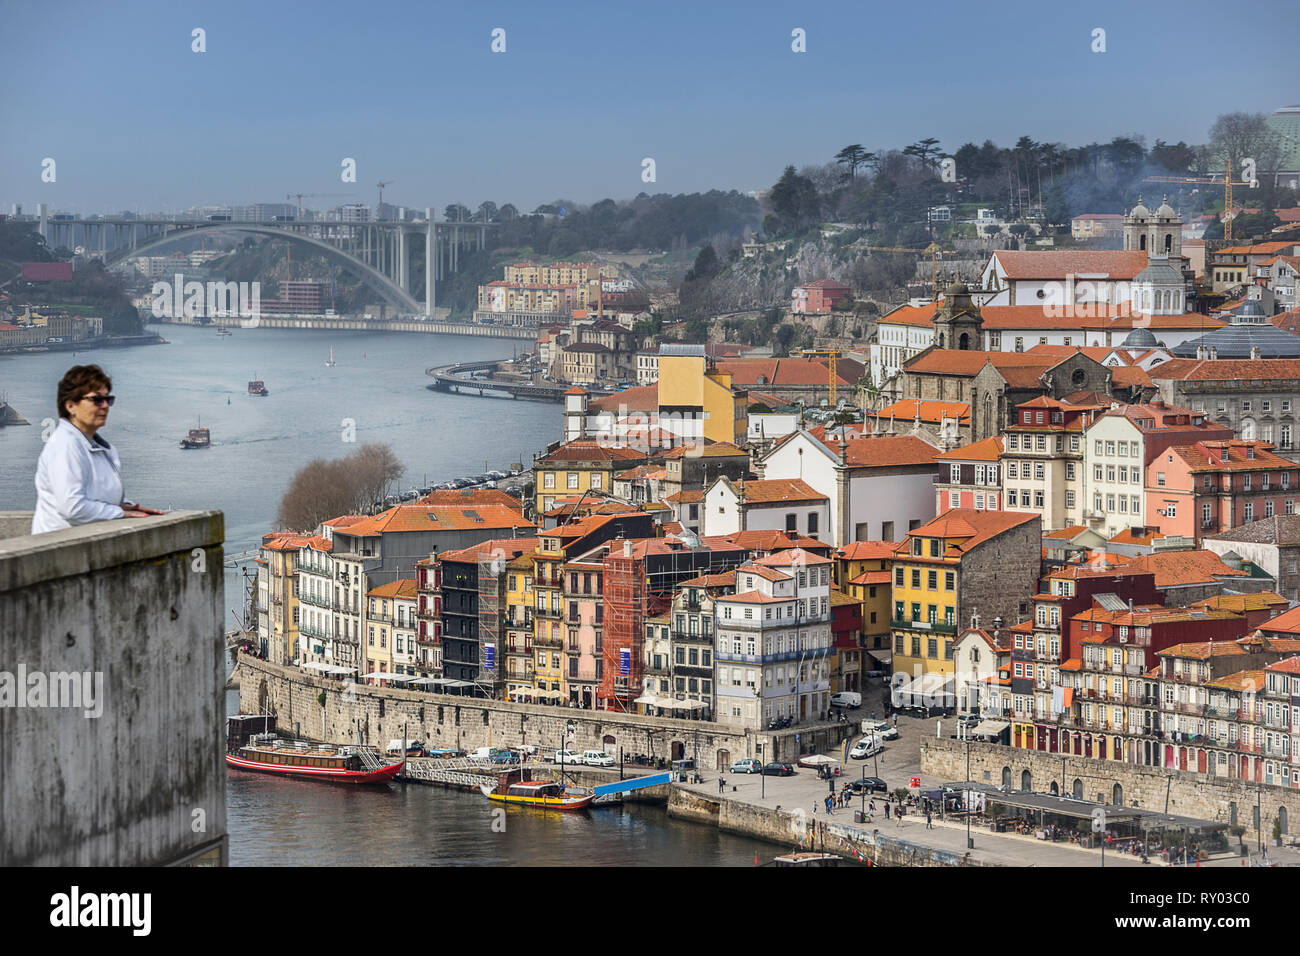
(380, 251)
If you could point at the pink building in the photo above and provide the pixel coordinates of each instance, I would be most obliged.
(1211, 486)
(817, 298)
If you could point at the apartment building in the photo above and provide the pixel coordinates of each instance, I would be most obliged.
(1119, 444)
(1042, 461)
(970, 477)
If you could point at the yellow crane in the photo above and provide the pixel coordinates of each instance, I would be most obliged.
(831, 356)
(1226, 182)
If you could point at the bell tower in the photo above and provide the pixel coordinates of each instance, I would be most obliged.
(957, 321)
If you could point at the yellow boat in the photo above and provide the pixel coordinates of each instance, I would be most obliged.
(534, 793)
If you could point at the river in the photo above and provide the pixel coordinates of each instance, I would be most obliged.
(258, 443)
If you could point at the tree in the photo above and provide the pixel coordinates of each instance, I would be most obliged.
(706, 266)
(927, 151)
(457, 213)
(487, 212)
(1236, 136)
(322, 489)
(794, 202)
(1178, 158)
(852, 157)
(508, 212)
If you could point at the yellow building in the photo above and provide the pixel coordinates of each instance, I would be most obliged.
(961, 563)
(280, 552)
(520, 666)
(862, 572)
(560, 273)
(548, 636)
(577, 466)
(378, 616)
(692, 391)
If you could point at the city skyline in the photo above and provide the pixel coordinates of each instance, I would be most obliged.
(565, 111)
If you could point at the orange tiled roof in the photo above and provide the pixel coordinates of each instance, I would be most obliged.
(583, 449)
(1240, 681)
(1066, 533)
(720, 449)
(792, 557)
(753, 597)
(638, 398)
(402, 589)
(866, 551)
(775, 490)
(972, 527)
(1289, 666)
(1217, 456)
(987, 450)
(885, 451)
(910, 409)
(1286, 623)
(790, 372)
(469, 497)
(1057, 264)
(1256, 601)
(723, 580)
(1181, 568)
(685, 497)
(422, 517)
(1228, 370)
(871, 577)
(768, 574)
(511, 548)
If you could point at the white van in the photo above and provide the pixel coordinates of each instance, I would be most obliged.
(846, 698)
(866, 747)
(481, 754)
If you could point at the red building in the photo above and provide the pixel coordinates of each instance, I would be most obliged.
(1152, 627)
(47, 271)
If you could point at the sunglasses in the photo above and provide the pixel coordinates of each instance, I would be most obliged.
(101, 399)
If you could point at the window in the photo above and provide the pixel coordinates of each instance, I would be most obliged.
(1039, 470)
(949, 580)
(1038, 499)
(1249, 513)
(1069, 471)
(792, 523)
(1040, 442)
(1014, 442)
(812, 523)
(955, 471)
(1074, 443)
(1110, 448)
(1136, 504)
(548, 479)
(595, 479)
(954, 499)
(1096, 472)
(1171, 509)
(1020, 343)
(1205, 515)
(573, 480)
(1268, 508)
(898, 579)
(932, 580)
(1069, 499)
(1012, 470)
(916, 578)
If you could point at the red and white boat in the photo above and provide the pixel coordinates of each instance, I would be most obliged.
(251, 744)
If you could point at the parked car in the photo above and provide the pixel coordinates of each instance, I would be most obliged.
(749, 765)
(882, 728)
(846, 698)
(565, 756)
(481, 754)
(866, 747)
(503, 756)
(597, 758)
(778, 769)
(869, 784)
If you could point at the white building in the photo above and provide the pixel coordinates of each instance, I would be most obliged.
(774, 645)
(775, 504)
(878, 488)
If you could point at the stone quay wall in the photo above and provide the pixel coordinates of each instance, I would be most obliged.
(1198, 795)
(374, 716)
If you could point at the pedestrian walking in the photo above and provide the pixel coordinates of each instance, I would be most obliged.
(895, 718)
(886, 809)
(722, 783)
(929, 825)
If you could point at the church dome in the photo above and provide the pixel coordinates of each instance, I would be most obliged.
(1166, 211)
(1139, 211)
(1140, 339)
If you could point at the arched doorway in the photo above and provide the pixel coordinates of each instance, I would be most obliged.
(724, 760)
(678, 750)
(1117, 795)
(964, 342)
(1026, 781)
(1142, 244)
(1055, 790)
(1006, 777)
(1077, 789)
(1281, 819)
(607, 744)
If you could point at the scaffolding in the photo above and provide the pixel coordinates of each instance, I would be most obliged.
(491, 617)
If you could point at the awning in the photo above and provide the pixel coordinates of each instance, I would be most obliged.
(315, 666)
(647, 699)
(425, 680)
(816, 760)
(685, 704)
(991, 727)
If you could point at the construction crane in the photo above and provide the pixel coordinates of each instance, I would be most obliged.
(379, 210)
(301, 196)
(1227, 183)
(932, 250)
(831, 356)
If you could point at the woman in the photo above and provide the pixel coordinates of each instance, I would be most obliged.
(77, 478)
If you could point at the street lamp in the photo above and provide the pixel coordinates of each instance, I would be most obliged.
(762, 777)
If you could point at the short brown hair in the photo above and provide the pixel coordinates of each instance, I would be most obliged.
(78, 382)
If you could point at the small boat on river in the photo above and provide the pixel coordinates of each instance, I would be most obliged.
(515, 789)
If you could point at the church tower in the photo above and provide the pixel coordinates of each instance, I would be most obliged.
(957, 321)
(1158, 233)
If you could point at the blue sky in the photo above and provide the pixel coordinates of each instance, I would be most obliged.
(712, 91)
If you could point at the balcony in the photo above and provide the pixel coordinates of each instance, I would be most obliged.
(685, 638)
(546, 614)
(1276, 722)
(315, 632)
(1184, 707)
(548, 641)
(1184, 678)
(1247, 747)
(934, 626)
(314, 601)
(1218, 710)
(1249, 715)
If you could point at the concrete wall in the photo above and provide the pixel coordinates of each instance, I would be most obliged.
(377, 715)
(132, 607)
(1190, 794)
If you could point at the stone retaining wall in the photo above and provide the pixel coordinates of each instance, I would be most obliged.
(1198, 795)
